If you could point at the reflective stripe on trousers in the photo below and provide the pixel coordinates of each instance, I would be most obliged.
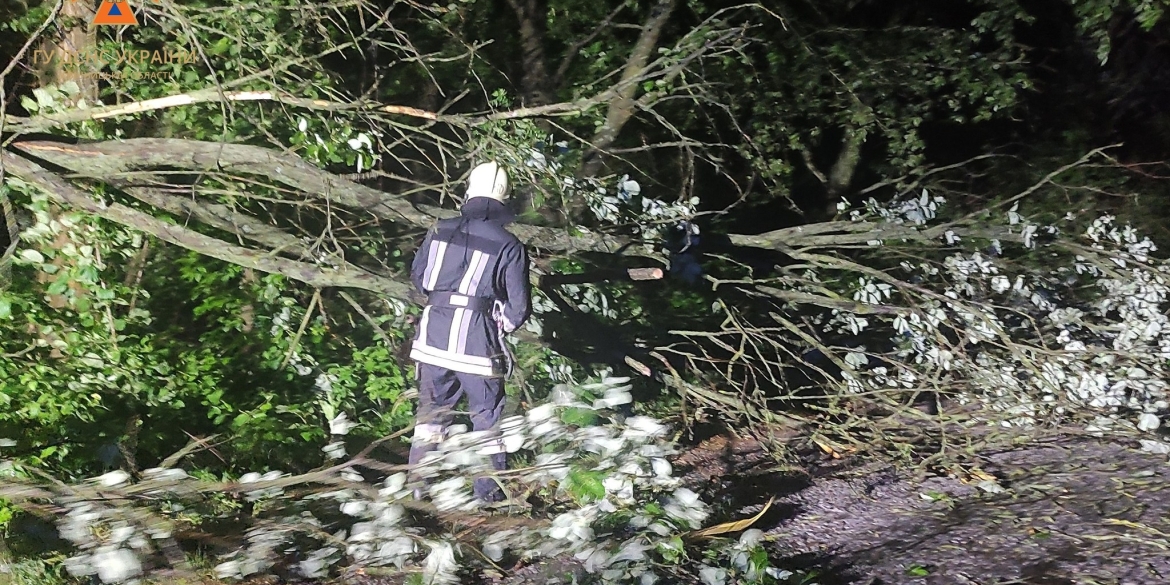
(428, 433)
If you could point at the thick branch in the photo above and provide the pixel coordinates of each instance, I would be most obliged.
(17, 125)
(803, 298)
(850, 233)
(103, 160)
(827, 234)
(108, 159)
(841, 175)
(45, 122)
(835, 234)
(224, 218)
(621, 107)
(65, 193)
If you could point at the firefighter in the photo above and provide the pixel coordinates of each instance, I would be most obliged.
(475, 275)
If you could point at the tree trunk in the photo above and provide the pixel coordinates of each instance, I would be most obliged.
(841, 175)
(534, 77)
(9, 238)
(621, 108)
(59, 63)
(60, 60)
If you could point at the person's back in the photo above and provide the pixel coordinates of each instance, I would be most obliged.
(468, 264)
(475, 275)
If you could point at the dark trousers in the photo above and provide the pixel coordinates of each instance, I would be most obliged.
(439, 390)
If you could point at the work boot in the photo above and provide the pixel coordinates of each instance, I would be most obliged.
(491, 498)
(503, 505)
(487, 490)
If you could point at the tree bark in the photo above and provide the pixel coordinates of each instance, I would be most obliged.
(534, 76)
(78, 37)
(59, 61)
(841, 175)
(9, 238)
(62, 192)
(224, 218)
(105, 160)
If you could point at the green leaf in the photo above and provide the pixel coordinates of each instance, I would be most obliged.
(759, 557)
(58, 287)
(581, 417)
(917, 571)
(586, 485)
(671, 550)
(31, 256)
(221, 46)
(44, 98)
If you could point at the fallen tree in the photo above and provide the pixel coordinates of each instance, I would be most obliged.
(202, 262)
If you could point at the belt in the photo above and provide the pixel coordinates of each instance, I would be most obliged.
(458, 301)
(483, 305)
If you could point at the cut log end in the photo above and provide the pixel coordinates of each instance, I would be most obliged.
(645, 273)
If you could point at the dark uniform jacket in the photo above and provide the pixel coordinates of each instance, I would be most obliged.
(475, 274)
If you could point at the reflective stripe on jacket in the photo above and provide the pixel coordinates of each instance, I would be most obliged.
(473, 256)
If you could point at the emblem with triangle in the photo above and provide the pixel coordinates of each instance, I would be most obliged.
(115, 12)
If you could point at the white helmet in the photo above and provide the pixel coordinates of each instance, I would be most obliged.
(488, 180)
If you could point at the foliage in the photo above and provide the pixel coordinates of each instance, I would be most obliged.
(608, 489)
(1095, 16)
(875, 83)
(110, 357)
(1094, 312)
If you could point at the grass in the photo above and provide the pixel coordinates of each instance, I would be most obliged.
(35, 571)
